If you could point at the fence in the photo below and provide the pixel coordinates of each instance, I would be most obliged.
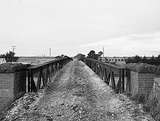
(115, 76)
(39, 75)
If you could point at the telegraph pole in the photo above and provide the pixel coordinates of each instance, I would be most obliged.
(50, 52)
(13, 48)
(103, 52)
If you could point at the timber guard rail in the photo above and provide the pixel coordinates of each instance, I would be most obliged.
(39, 75)
(110, 73)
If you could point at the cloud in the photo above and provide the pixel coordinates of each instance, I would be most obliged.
(141, 44)
(34, 26)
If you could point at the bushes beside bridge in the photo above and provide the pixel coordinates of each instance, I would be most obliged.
(142, 67)
(152, 104)
(149, 60)
(151, 101)
(12, 67)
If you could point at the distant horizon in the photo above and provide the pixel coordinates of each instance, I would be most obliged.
(81, 53)
(122, 27)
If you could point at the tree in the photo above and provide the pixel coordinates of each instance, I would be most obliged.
(10, 56)
(100, 53)
(137, 58)
(144, 59)
(158, 56)
(151, 60)
(80, 56)
(92, 54)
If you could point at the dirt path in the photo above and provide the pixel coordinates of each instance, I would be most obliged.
(78, 94)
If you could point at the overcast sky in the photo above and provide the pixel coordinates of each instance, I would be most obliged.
(122, 27)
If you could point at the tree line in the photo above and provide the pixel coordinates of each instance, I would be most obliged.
(154, 60)
(149, 60)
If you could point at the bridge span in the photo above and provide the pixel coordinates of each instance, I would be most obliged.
(76, 93)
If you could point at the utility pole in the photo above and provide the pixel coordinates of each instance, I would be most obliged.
(13, 48)
(50, 52)
(103, 52)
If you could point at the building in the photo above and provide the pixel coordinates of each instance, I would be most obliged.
(117, 60)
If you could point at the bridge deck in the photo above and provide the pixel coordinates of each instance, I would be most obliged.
(77, 93)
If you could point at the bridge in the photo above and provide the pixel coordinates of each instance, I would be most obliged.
(78, 90)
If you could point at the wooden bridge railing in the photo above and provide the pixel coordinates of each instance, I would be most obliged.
(39, 75)
(115, 76)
